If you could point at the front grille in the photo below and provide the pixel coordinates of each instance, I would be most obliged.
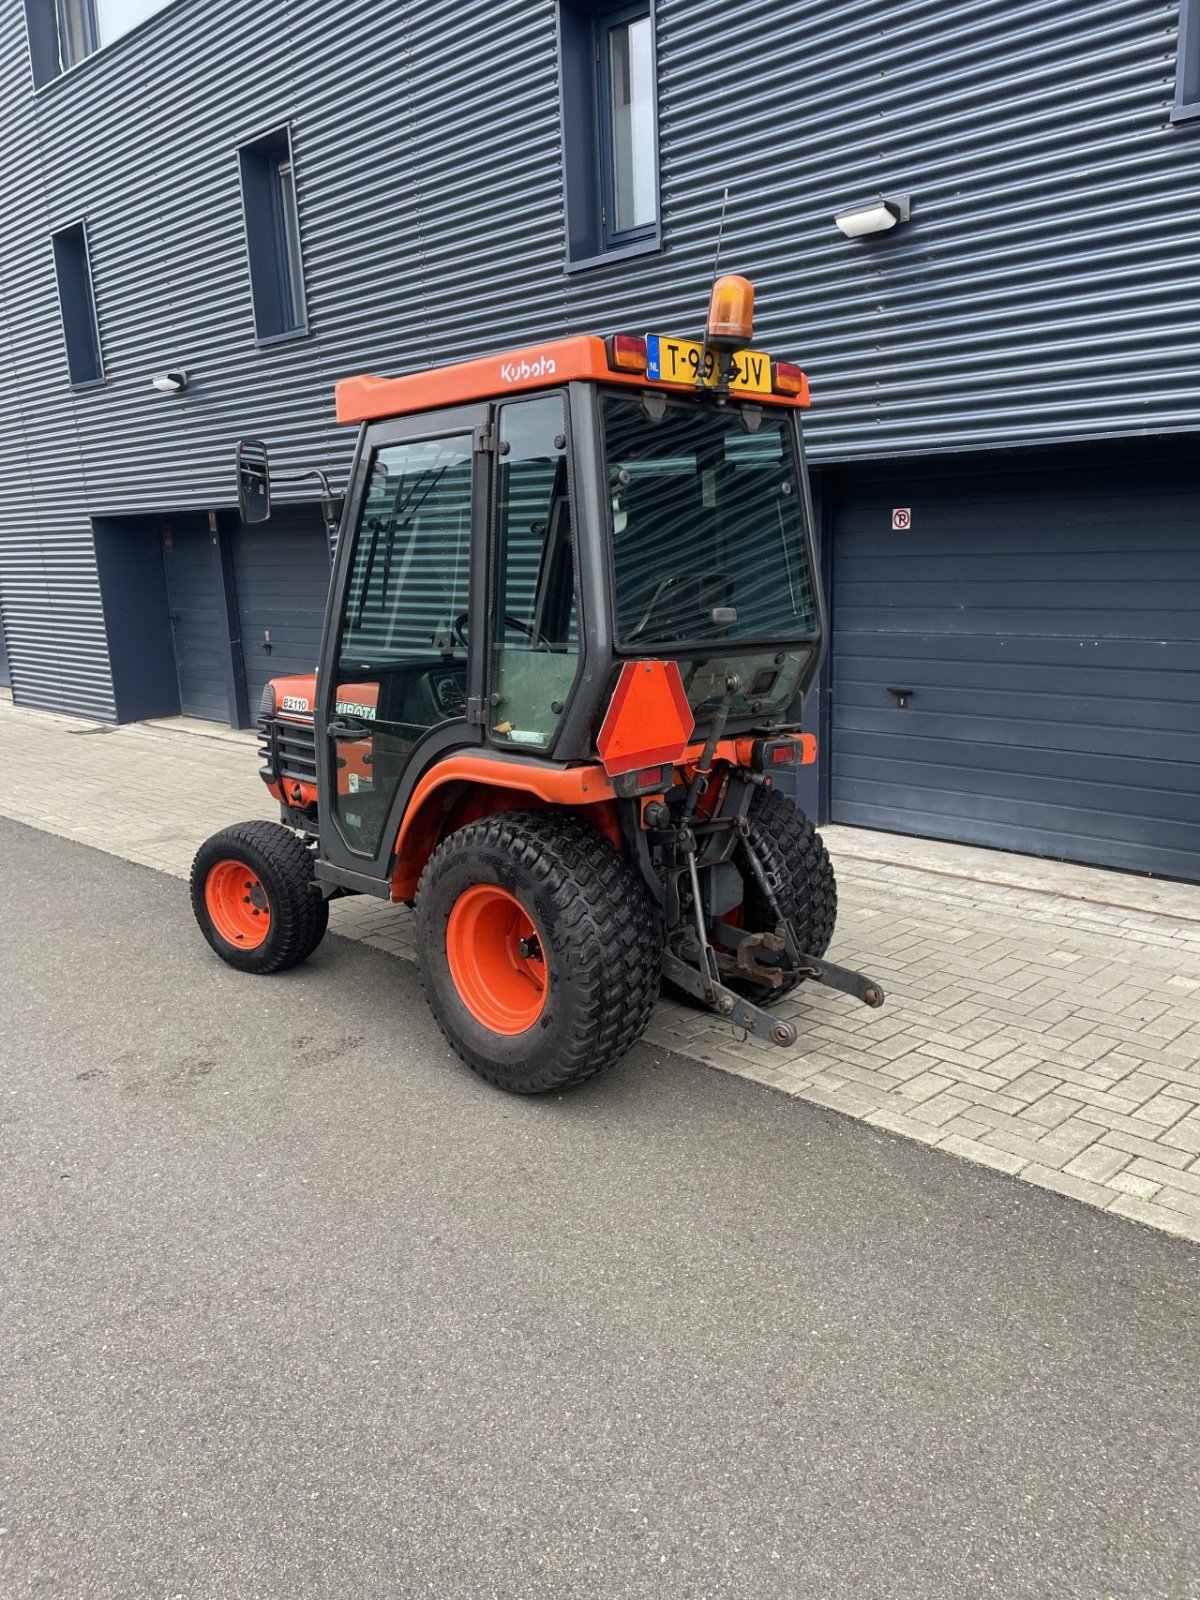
(288, 750)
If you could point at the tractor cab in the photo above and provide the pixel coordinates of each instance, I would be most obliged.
(574, 586)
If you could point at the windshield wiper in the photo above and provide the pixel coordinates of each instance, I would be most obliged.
(376, 525)
(406, 509)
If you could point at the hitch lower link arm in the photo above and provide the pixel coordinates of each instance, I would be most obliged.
(704, 981)
(741, 1012)
(744, 1013)
(843, 978)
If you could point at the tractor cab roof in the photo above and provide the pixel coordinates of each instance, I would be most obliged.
(653, 360)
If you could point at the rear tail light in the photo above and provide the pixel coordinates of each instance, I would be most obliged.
(646, 780)
(787, 378)
(626, 352)
(768, 755)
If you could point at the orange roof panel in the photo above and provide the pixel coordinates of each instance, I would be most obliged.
(538, 366)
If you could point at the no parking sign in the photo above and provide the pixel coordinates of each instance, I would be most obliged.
(901, 519)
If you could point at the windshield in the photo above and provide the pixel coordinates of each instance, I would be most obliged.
(707, 526)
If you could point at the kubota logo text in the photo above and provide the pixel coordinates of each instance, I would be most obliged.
(519, 371)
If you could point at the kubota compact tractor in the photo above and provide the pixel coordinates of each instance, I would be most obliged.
(573, 619)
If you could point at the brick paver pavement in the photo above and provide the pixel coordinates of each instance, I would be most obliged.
(1047, 1026)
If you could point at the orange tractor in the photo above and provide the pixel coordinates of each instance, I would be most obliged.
(573, 618)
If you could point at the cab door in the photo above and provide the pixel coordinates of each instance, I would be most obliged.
(403, 654)
(535, 634)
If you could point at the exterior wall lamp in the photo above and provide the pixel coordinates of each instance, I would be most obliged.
(170, 382)
(877, 217)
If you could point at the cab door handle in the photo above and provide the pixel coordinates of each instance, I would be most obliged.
(345, 730)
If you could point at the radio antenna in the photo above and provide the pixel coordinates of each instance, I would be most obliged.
(720, 231)
(700, 375)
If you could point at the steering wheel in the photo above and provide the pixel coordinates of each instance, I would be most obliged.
(459, 627)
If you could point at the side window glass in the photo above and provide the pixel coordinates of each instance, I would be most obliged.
(402, 653)
(410, 578)
(535, 621)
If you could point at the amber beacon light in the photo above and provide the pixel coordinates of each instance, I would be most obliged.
(731, 313)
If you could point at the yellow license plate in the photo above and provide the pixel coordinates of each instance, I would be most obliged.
(679, 361)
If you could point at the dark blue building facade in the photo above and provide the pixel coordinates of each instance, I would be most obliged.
(244, 203)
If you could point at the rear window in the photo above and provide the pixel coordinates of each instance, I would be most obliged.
(707, 520)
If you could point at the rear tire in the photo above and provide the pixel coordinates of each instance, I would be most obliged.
(539, 951)
(799, 870)
(798, 866)
(253, 896)
(811, 898)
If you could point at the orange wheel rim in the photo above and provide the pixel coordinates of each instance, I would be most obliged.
(496, 959)
(237, 903)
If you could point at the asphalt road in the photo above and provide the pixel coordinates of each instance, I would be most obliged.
(291, 1306)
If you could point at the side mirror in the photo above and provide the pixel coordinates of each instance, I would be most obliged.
(253, 480)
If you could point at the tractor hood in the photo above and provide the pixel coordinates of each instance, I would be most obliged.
(296, 698)
(293, 699)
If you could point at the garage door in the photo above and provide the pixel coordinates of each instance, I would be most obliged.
(191, 561)
(281, 569)
(1044, 631)
(280, 579)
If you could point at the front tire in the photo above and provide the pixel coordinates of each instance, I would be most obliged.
(253, 896)
(539, 952)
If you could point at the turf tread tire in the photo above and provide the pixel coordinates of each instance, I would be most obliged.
(284, 866)
(800, 873)
(593, 912)
(812, 905)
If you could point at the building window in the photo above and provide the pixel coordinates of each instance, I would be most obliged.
(62, 33)
(273, 236)
(610, 136)
(76, 22)
(80, 332)
(628, 149)
(1187, 69)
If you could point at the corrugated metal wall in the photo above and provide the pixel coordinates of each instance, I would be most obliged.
(1043, 290)
(58, 654)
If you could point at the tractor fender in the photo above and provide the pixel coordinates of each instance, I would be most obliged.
(463, 787)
